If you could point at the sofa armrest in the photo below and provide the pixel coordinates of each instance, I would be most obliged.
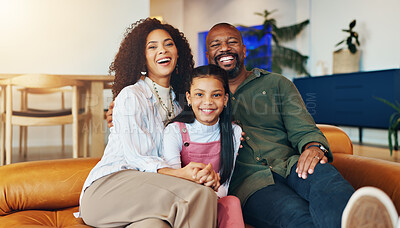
(338, 140)
(48, 185)
(363, 171)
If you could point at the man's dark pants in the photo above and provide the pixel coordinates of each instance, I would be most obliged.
(317, 201)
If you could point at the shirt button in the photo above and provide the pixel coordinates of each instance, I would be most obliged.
(233, 98)
(263, 92)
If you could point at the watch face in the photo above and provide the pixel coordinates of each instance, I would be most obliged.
(322, 148)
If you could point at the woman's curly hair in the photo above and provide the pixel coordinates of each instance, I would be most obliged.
(130, 60)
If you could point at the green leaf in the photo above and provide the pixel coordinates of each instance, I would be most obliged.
(286, 57)
(394, 124)
(358, 42)
(281, 56)
(352, 24)
(339, 43)
(352, 48)
(290, 32)
(395, 106)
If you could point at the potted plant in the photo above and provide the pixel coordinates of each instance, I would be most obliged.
(347, 60)
(276, 56)
(352, 40)
(394, 124)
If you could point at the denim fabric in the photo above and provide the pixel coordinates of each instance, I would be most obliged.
(317, 201)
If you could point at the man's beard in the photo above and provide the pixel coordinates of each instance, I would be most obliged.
(233, 73)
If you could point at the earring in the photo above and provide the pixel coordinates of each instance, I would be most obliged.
(189, 105)
(143, 73)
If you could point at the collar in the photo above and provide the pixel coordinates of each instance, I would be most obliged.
(255, 73)
(205, 128)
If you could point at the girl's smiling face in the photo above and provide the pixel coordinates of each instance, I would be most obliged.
(208, 98)
(161, 54)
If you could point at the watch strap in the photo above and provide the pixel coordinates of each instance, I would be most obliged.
(321, 147)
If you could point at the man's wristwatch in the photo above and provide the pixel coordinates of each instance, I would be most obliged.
(321, 147)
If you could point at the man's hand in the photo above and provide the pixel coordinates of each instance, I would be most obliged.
(109, 114)
(242, 139)
(308, 160)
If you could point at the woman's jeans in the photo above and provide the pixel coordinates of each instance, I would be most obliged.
(317, 201)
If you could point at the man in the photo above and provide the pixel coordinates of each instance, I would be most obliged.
(281, 177)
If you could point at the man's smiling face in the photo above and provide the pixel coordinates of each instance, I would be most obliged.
(225, 48)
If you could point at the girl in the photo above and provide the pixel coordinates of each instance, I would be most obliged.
(204, 133)
(124, 189)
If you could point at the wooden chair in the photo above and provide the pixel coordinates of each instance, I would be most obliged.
(23, 130)
(27, 117)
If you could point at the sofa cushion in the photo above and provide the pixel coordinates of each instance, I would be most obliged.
(43, 185)
(41, 218)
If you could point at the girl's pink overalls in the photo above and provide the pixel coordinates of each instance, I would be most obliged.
(229, 210)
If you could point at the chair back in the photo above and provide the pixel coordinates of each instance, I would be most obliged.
(41, 81)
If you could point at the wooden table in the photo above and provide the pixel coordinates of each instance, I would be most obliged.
(96, 108)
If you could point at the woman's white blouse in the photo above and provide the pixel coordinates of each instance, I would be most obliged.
(135, 140)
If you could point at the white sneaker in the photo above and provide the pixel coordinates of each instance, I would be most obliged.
(370, 207)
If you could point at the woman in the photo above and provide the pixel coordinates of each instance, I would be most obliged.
(124, 189)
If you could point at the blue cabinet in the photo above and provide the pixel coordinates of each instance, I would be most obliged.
(348, 99)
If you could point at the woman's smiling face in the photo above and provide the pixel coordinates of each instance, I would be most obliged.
(161, 54)
(208, 98)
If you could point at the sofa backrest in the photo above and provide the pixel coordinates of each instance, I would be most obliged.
(52, 184)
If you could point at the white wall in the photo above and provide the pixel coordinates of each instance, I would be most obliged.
(63, 37)
(171, 11)
(377, 25)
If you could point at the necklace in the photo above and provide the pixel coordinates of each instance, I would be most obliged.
(171, 112)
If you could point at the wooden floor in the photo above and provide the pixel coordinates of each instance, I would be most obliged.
(376, 152)
(42, 153)
(46, 153)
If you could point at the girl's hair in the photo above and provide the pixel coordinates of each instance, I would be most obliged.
(225, 118)
(130, 60)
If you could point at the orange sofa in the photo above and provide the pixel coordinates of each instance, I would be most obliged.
(46, 193)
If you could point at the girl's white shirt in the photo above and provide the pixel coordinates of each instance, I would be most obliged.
(198, 132)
